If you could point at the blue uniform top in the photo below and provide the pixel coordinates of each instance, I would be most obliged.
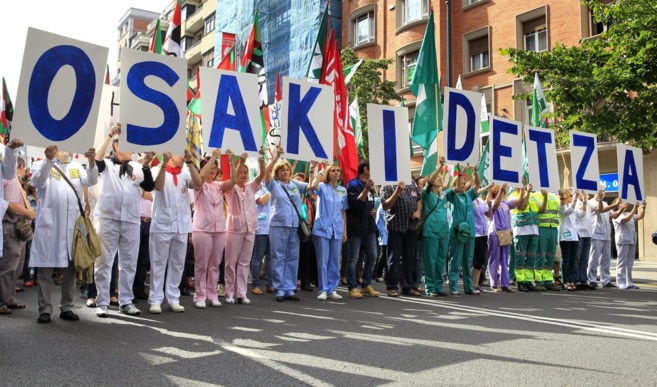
(330, 204)
(263, 213)
(282, 212)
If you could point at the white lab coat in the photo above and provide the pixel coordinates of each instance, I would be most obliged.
(171, 206)
(57, 210)
(119, 198)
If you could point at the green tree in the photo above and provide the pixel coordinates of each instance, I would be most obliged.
(369, 86)
(607, 85)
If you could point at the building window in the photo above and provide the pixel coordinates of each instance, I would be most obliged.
(408, 62)
(531, 30)
(477, 49)
(413, 10)
(209, 25)
(535, 35)
(363, 28)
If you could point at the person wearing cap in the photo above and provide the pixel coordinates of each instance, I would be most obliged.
(170, 229)
(462, 233)
(118, 214)
(625, 234)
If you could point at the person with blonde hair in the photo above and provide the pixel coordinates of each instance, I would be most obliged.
(329, 230)
(286, 199)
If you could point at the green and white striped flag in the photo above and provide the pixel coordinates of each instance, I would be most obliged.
(354, 116)
(314, 72)
(539, 104)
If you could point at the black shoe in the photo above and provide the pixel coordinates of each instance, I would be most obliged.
(609, 285)
(185, 292)
(522, 287)
(44, 318)
(280, 298)
(530, 287)
(307, 287)
(69, 315)
(292, 297)
(593, 286)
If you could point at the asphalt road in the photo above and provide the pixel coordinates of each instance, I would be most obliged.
(602, 337)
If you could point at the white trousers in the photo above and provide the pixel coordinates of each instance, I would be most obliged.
(122, 237)
(624, 265)
(600, 256)
(168, 251)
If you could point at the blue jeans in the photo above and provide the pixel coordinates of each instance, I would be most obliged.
(354, 243)
(260, 250)
(582, 261)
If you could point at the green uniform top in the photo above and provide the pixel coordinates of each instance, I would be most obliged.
(435, 222)
(461, 206)
(550, 218)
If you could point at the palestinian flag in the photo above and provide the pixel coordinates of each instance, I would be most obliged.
(253, 61)
(6, 110)
(171, 44)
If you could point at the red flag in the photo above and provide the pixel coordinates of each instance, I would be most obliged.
(345, 143)
(171, 44)
(224, 165)
(279, 94)
(107, 76)
(228, 61)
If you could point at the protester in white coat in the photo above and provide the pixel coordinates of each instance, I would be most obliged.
(117, 212)
(55, 221)
(170, 228)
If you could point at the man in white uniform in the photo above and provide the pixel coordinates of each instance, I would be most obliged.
(55, 221)
(117, 212)
(170, 228)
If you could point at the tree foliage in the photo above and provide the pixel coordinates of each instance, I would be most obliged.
(369, 86)
(607, 85)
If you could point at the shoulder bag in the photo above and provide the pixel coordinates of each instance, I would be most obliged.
(86, 244)
(304, 230)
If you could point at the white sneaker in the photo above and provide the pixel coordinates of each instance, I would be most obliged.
(244, 301)
(176, 308)
(215, 303)
(334, 296)
(155, 309)
(200, 304)
(101, 311)
(130, 309)
(322, 296)
(230, 300)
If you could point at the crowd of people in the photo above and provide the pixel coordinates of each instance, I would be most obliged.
(420, 239)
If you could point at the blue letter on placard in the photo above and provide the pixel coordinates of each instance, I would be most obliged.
(229, 90)
(457, 100)
(136, 76)
(499, 151)
(541, 139)
(589, 144)
(389, 145)
(630, 176)
(45, 70)
(298, 119)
